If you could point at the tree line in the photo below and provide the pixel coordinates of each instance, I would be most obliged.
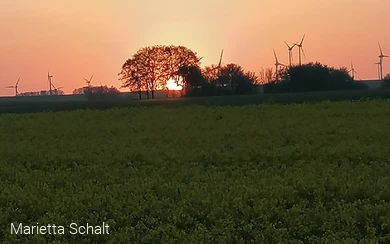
(150, 68)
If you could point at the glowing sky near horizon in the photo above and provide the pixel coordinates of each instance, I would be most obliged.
(75, 39)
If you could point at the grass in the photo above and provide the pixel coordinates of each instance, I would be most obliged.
(270, 173)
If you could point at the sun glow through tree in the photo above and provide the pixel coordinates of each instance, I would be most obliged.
(175, 85)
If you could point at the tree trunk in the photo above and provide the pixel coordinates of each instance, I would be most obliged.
(152, 86)
(139, 91)
(147, 94)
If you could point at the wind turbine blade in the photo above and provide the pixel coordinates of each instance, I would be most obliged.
(380, 48)
(303, 52)
(86, 80)
(287, 44)
(276, 58)
(10, 87)
(220, 60)
(17, 83)
(91, 78)
(302, 39)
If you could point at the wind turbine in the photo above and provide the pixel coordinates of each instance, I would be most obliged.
(353, 71)
(15, 86)
(277, 64)
(290, 48)
(89, 81)
(381, 56)
(379, 69)
(300, 47)
(56, 89)
(50, 82)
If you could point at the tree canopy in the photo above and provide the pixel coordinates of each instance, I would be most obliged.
(150, 67)
(312, 77)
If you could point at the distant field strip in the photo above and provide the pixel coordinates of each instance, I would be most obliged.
(70, 103)
(298, 173)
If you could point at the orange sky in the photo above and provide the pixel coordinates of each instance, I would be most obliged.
(75, 39)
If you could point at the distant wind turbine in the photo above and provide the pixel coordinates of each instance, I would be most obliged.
(381, 56)
(290, 49)
(49, 78)
(277, 64)
(300, 48)
(353, 71)
(15, 86)
(89, 81)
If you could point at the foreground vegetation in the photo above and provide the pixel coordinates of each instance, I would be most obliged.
(298, 173)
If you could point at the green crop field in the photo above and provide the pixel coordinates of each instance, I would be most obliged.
(297, 173)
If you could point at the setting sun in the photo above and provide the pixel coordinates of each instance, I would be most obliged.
(173, 86)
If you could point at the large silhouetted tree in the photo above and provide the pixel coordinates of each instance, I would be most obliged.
(150, 67)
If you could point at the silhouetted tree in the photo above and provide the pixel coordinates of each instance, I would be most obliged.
(236, 79)
(192, 78)
(133, 79)
(252, 77)
(79, 91)
(232, 79)
(229, 74)
(210, 73)
(386, 81)
(97, 91)
(269, 75)
(41, 93)
(28, 94)
(150, 67)
(261, 77)
(312, 77)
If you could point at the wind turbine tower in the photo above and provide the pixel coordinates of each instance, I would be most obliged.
(379, 69)
(381, 56)
(290, 49)
(277, 64)
(300, 48)
(16, 87)
(50, 83)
